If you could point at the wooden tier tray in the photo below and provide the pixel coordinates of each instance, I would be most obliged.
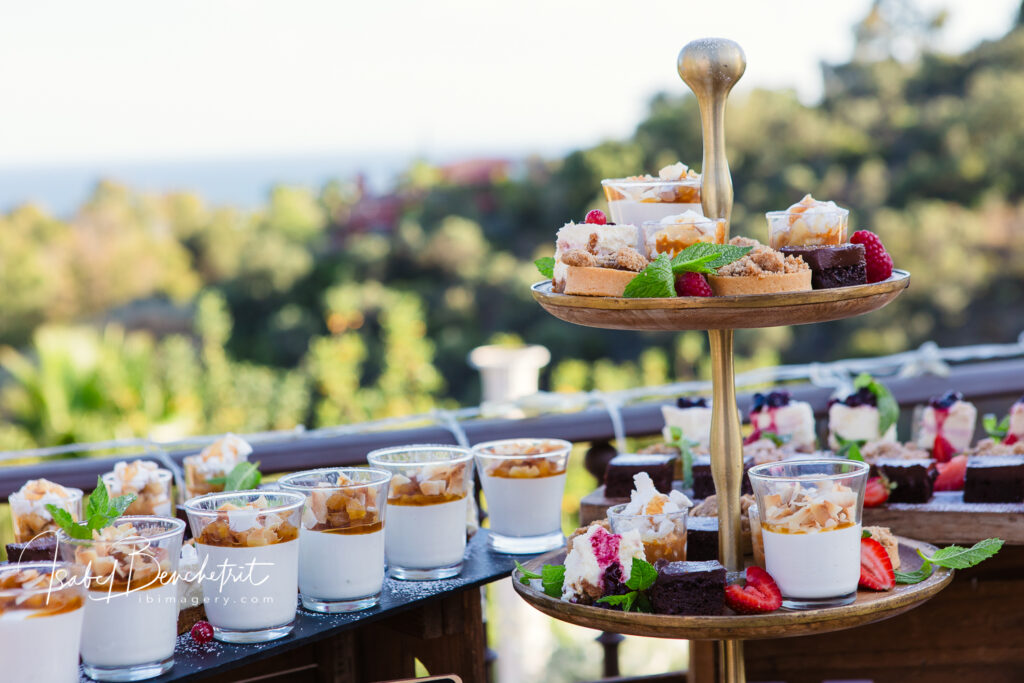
(869, 607)
(721, 312)
(945, 519)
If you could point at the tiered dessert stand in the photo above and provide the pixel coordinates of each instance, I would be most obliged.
(711, 67)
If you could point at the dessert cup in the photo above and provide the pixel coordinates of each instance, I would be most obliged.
(29, 515)
(635, 201)
(150, 484)
(808, 223)
(341, 540)
(810, 516)
(204, 470)
(131, 605)
(523, 482)
(663, 534)
(672, 234)
(426, 510)
(249, 542)
(41, 613)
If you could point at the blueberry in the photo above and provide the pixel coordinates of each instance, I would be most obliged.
(946, 401)
(759, 401)
(687, 402)
(778, 399)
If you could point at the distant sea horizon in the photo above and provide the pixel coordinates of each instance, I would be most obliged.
(236, 181)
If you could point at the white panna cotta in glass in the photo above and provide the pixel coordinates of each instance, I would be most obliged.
(131, 606)
(41, 614)
(341, 541)
(810, 517)
(426, 510)
(248, 542)
(523, 482)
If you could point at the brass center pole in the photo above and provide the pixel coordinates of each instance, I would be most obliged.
(711, 67)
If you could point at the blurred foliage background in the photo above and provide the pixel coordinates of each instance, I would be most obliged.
(161, 315)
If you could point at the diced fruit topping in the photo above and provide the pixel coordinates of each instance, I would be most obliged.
(946, 401)
(876, 571)
(760, 594)
(876, 492)
(687, 402)
(202, 632)
(878, 261)
(951, 474)
(692, 284)
(942, 450)
(596, 217)
(775, 399)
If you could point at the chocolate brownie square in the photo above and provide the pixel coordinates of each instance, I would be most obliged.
(688, 588)
(833, 266)
(701, 538)
(914, 479)
(618, 478)
(994, 479)
(40, 549)
(704, 483)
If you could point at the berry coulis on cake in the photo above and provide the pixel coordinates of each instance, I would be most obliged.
(947, 425)
(599, 563)
(777, 413)
(857, 418)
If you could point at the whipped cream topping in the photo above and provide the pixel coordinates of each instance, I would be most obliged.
(221, 456)
(811, 206)
(33, 497)
(795, 508)
(654, 508)
(676, 171)
(808, 222)
(133, 476)
(689, 217)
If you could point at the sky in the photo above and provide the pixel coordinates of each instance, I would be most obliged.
(130, 81)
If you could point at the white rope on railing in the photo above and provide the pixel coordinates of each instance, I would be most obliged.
(929, 358)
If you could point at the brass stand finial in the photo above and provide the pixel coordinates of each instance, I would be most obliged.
(711, 67)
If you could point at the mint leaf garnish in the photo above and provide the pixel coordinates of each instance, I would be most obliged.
(888, 408)
(546, 266)
(994, 428)
(244, 476)
(778, 439)
(641, 575)
(100, 511)
(704, 257)
(865, 533)
(685, 447)
(952, 557)
(525, 574)
(850, 448)
(654, 281)
(552, 576)
(624, 601)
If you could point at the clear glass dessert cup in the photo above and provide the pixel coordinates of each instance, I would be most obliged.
(808, 228)
(810, 517)
(635, 201)
(251, 562)
(523, 482)
(672, 238)
(131, 598)
(341, 541)
(426, 510)
(663, 534)
(41, 614)
(196, 482)
(31, 519)
(154, 498)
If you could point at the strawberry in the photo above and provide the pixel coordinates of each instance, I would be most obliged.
(942, 450)
(692, 284)
(951, 474)
(761, 594)
(876, 571)
(1011, 439)
(596, 217)
(877, 260)
(876, 492)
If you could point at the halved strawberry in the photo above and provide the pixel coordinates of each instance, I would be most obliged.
(875, 566)
(951, 474)
(942, 450)
(761, 594)
(876, 492)
(1011, 439)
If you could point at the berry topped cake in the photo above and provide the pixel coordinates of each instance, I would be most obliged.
(947, 425)
(596, 259)
(1015, 432)
(692, 417)
(857, 418)
(599, 563)
(790, 420)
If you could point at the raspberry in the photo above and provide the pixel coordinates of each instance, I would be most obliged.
(692, 284)
(879, 263)
(596, 217)
(202, 632)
